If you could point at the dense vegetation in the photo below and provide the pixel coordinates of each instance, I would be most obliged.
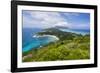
(71, 46)
(60, 34)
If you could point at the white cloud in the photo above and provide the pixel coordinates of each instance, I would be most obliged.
(64, 24)
(71, 14)
(43, 20)
(38, 19)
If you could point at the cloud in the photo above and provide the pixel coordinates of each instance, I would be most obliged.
(63, 24)
(38, 19)
(69, 14)
(43, 19)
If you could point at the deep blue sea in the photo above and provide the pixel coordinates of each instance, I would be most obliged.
(29, 42)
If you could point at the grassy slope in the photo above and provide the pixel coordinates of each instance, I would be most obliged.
(69, 47)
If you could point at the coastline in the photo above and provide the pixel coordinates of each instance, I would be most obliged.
(62, 50)
(52, 36)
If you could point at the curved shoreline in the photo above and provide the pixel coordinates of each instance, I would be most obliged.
(53, 36)
(50, 38)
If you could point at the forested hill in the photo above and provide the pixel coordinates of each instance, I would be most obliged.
(60, 34)
(71, 46)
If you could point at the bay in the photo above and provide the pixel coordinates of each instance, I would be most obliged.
(29, 42)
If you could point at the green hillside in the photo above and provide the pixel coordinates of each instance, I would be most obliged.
(71, 46)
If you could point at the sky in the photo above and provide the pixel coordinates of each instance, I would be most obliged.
(44, 19)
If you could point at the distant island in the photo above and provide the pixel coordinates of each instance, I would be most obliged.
(68, 46)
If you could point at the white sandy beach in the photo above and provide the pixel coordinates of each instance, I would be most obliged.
(53, 36)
